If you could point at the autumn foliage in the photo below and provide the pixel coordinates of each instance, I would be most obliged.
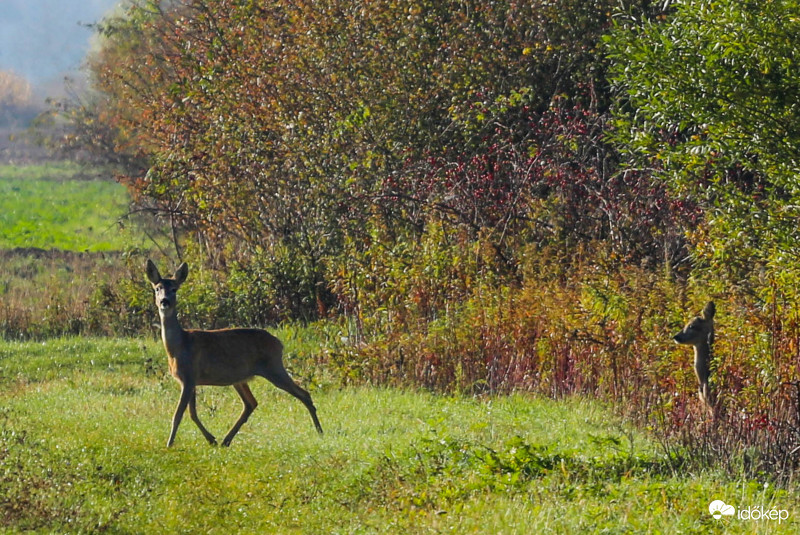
(286, 122)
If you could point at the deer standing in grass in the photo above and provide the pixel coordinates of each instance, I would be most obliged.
(225, 357)
(699, 332)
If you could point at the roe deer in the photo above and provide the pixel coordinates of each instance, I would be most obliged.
(699, 332)
(225, 357)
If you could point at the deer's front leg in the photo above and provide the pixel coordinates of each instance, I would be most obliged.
(196, 420)
(187, 393)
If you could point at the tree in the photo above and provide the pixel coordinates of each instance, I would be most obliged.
(339, 96)
(709, 98)
(293, 130)
(16, 100)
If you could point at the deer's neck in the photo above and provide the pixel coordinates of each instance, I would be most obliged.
(172, 334)
(702, 359)
(705, 349)
(702, 351)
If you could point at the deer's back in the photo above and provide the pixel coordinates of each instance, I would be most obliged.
(228, 356)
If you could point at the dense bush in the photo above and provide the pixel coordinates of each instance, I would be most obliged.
(492, 116)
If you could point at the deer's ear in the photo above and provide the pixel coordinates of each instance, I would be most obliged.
(152, 272)
(709, 311)
(181, 273)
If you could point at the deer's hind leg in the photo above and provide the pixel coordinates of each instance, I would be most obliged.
(250, 404)
(282, 380)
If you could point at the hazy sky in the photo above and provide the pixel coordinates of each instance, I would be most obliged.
(43, 39)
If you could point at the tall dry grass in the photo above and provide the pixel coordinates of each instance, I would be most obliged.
(46, 293)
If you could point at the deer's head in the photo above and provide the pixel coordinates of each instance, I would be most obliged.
(166, 290)
(700, 329)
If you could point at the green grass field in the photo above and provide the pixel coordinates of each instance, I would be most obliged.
(47, 207)
(83, 425)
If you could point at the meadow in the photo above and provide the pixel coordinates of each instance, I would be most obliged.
(85, 420)
(55, 206)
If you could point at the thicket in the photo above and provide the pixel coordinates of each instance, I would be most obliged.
(486, 196)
